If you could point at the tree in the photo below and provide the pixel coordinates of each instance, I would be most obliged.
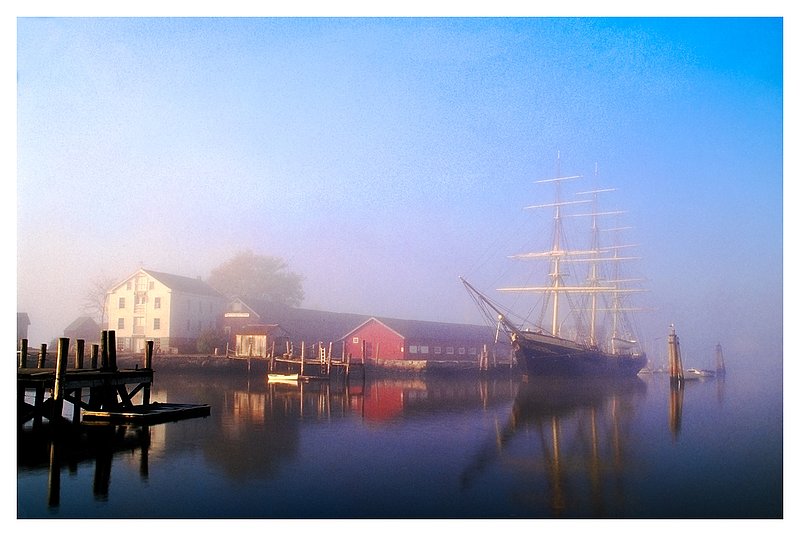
(94, 300)
(258, 277)
(211, 339)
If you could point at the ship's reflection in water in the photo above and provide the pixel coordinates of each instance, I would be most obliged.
(566, 443)
(435, 447)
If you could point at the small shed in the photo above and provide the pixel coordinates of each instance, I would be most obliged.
(83, 327)
(258, 340)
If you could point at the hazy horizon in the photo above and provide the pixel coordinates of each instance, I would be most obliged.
(382, 158)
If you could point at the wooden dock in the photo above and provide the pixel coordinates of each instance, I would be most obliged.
(111, 391)
(320, 366)
(155, 413)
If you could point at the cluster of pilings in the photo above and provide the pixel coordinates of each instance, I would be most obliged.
(107, 385)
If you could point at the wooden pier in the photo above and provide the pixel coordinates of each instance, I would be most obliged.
(111, 391)
(319, 366)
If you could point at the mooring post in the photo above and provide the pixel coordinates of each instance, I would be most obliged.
(22, 361)
(112, 349)
(302, 357)
(76, 409)
(38, 401)
(104, 349)
(148, 363)
(674, 353)
(720, 361)
(42, 356)
(94, 402)
(272, 357)
(79, 344)
(61, 375)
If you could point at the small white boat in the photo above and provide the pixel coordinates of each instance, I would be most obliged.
(697, 373)
(283, 378)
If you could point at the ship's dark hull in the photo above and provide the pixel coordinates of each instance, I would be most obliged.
(549, 356)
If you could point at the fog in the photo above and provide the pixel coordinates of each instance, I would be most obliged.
(384, 158)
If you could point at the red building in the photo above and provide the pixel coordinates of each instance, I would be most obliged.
(299, 326)
(394, 339)
(246, 326)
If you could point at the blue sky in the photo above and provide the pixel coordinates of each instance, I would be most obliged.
(383, 158)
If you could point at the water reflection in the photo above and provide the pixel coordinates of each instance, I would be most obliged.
(676, 397)
(388, 447)
(261, 423)
(43, 448)
(566, 443)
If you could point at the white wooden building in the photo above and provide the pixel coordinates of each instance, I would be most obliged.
(169, 309)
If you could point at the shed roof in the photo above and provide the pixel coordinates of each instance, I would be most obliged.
(423, 329)
(83, 323)
(308, 325)
(263, 329)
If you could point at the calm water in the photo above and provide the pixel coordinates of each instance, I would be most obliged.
(425, 448)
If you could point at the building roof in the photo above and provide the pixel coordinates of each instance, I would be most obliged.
(274, 330)
(188, 285)
(432, 331)
(312, 326)
(83, 323)
(307, 325)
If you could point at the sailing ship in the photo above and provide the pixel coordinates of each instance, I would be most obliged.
(590, 331)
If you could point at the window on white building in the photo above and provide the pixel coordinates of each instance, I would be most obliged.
(156, 303)
(120, 323)
(156, 323)
(121, 303)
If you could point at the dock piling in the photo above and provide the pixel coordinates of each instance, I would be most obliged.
(720, 362)
(112, 349)
(148, 364)
(61, 374)
(104, 349)
(42, 356)
(674, 355)
(22, 361)
(78, 393)
(79, 345)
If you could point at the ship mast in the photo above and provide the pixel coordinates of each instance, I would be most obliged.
(557, 252)
(560, 256)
